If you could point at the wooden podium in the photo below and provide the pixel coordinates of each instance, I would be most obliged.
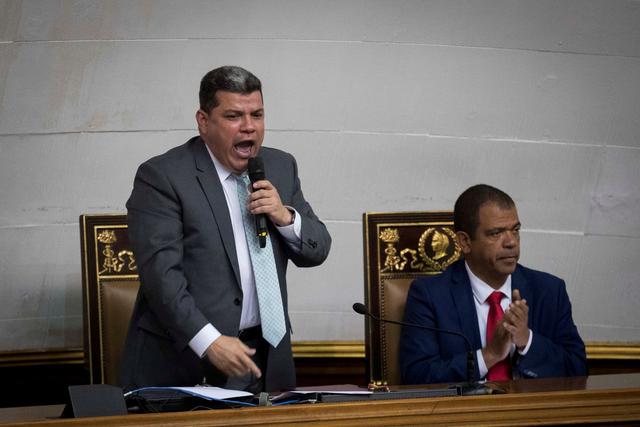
(603, 399)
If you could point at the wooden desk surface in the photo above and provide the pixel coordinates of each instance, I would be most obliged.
(597, 399)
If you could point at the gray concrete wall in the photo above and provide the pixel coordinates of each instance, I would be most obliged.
(387, 105)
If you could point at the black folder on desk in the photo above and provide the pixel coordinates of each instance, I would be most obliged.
(173, 399)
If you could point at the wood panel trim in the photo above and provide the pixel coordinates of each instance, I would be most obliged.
(355, 349)
(44, 357)
(613, 351)
(301, 349)
(328, 349)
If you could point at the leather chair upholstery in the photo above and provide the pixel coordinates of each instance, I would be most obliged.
(394, 291)
(117, 301)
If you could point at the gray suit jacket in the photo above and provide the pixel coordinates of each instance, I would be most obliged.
(180, 231)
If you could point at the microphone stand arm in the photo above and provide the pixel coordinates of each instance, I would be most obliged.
(468, 388)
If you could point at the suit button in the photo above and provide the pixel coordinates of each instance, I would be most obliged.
(236, 301)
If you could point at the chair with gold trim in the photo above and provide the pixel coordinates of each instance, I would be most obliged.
(398, 248)
(109, 289)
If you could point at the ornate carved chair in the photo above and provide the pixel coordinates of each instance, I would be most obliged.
(109, 289)
(398, 248)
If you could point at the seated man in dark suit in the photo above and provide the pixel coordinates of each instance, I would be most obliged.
(517, 319)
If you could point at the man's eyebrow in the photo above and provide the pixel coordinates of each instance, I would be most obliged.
(496, 229)
(499, 229)
(239, 110)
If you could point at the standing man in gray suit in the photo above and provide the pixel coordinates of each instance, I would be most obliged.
(212, 305)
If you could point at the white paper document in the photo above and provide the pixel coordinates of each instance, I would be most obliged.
(205, 392)
(215, 392)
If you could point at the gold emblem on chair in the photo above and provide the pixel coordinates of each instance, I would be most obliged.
(443, 248)
(112, 263)
(392, 261)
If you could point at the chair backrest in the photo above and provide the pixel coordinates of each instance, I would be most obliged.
(109, 289)
(117, 298)
(398, 248)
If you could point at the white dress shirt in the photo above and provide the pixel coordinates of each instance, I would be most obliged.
(481, 292)
(250, 311)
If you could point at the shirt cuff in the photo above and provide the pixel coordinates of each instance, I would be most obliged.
(482, 367)
(291, 233)
(528, 346)
(203, 339)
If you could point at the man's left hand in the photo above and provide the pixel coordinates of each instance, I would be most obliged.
(265, 200)
(516, 320)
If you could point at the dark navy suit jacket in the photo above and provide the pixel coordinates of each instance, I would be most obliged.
(446, 301)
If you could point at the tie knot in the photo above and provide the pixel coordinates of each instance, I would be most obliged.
(242, 179)
(495, 298)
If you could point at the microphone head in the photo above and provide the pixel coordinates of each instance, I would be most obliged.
(360, 308)
(256, 169)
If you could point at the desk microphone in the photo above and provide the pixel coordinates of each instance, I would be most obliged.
(256, 173)
(468, 388)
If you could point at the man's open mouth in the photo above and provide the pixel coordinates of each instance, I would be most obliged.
(244, 148)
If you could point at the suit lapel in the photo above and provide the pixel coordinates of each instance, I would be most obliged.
(210, 183)
(463, 300)
(519, 282)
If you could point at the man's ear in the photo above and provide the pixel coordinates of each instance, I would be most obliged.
(465, 241)
(201, 120)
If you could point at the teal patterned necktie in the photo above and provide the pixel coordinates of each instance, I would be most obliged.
(264, 272)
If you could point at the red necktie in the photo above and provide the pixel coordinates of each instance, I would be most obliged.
(501, 371)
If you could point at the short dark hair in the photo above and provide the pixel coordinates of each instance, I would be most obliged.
(466, 212)
(228, 78)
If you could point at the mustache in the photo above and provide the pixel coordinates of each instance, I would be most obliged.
(510, 255)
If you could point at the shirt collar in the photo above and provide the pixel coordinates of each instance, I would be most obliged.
(223, 172)
(482, 290)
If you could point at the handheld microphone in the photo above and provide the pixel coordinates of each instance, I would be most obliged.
(468, 388)
(256, 173)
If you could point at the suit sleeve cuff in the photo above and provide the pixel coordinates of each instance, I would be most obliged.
(528, 346)
(482, 367)
(203, 339)
(291, 233)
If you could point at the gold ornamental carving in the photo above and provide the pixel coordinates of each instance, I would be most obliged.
(443, 248)
(392, 261)
(437, 248)
(114, 263)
